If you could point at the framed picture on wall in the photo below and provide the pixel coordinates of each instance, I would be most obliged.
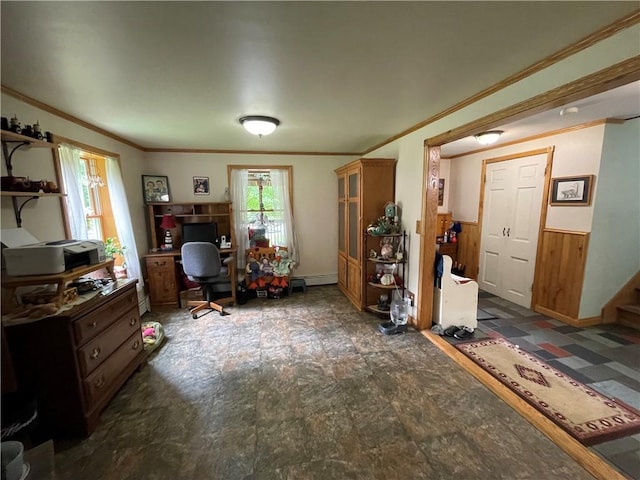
(201, 185)
(440, 192)
(155, 189)
(575, 191)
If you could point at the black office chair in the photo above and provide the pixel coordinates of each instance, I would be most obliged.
(201, 263)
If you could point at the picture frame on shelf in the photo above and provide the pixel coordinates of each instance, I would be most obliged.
(201, 186)
(572, 191)
(155, 189)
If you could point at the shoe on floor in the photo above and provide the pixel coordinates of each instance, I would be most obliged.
(450, 331)
(437, 329)
(463, 333)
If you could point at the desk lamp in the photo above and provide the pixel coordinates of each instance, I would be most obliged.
(168, 222)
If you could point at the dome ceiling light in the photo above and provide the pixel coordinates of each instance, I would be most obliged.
(259, 125)
(489, 137)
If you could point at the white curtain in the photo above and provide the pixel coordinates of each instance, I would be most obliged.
(239, 184)
(282, 201)
(71, 175)
(122, 218)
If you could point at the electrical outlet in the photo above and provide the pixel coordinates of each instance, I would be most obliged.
(411, 296)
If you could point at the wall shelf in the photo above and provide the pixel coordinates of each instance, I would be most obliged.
(17, 141)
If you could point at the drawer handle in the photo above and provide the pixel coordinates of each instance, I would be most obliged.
(135, 345)
(96, 353)
(132, 322)
(93, 324)
(158, 264)
(100, 382)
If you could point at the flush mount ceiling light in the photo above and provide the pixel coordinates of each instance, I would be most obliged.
(569, 111)
(487, 138)
(259, 125)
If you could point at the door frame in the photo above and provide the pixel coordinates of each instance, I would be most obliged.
(544, 207)
(611, 77)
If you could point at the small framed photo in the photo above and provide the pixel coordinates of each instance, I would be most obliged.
(201, 185)
(155, 189)
(440, 192)
(576, 191)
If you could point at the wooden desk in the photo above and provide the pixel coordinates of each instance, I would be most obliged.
(164, 277)
(59, 279)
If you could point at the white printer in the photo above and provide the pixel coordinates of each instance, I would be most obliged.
(46, 258)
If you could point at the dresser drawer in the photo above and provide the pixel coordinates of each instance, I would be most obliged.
(98, 384)
(93, 323)
(91, 355)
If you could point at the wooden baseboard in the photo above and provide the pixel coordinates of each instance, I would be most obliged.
(575, 322)
(590, 461)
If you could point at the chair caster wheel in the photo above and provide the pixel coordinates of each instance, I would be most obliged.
(194, 316)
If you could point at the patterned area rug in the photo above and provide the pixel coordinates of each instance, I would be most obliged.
(585, 414)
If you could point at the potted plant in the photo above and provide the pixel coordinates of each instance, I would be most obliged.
(112, 248)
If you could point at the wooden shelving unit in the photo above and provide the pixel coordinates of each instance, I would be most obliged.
(376, 264)
(11, 143)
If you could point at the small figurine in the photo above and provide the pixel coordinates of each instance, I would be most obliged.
(386, 248)
(15, 125)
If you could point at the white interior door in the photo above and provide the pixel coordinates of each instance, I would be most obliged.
(510, 225)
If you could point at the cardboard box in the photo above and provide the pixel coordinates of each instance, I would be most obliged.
(191, 294)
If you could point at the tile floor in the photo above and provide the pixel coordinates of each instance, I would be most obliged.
(605, 357)
(306, 388)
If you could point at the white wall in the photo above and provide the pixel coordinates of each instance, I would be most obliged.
(43, 217)
(315, 193)
(614, 245)
(409, 149)
(576, 153)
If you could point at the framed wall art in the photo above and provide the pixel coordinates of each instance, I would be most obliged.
(155, 189)
(440, 192)
(201, 185)
(575, 191)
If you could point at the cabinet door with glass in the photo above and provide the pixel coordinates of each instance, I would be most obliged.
(353, 214)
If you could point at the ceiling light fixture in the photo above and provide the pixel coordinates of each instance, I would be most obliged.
(487, 138)
(259, 125)
(569, 110)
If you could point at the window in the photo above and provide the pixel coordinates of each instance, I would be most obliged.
(94, 188)
(262, 206)
(96, 204)
(263, 210)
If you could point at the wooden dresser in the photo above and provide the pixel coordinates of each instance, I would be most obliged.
(76, 361)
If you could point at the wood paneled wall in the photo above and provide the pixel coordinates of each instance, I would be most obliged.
(560, 273)
(469, 248)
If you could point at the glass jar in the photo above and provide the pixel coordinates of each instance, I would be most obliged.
(399, 311)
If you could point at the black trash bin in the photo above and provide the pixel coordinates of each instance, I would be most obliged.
(19, 417)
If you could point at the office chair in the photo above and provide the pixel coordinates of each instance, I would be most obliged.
(201, 263)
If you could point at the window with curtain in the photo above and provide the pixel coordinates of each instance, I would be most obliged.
(263, 205)
(96, 203)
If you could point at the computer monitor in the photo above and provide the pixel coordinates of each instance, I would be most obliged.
(200, 232)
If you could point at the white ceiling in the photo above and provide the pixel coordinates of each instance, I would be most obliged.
(341, 76)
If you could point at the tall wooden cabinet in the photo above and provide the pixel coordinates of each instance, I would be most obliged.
(364, 187)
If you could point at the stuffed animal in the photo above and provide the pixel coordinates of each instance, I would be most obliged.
(253, 271)
(281, 269)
